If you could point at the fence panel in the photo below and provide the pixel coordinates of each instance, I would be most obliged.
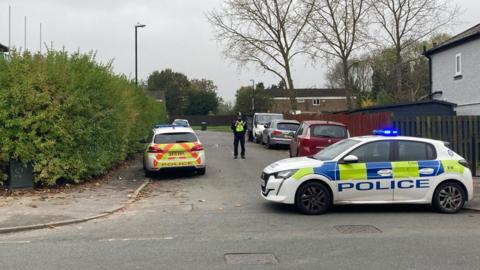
(357, 124)
(462, 132)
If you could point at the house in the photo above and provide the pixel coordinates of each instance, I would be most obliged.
(3, 50)
(309, 100)
(455, 69)
(412, 109)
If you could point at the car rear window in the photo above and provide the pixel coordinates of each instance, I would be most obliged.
(166, 138)
(329, 131)
(411, 151)
(288, 126)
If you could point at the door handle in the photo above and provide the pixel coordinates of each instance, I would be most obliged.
(385, 172)
(426, 171)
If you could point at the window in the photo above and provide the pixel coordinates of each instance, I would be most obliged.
(336, 149)
(373, 152)
(328, 131)
(458, 64)
(300, 130)
(412, 151)
(175, 138)
(316, 101)
(288, 126)
(300, 100)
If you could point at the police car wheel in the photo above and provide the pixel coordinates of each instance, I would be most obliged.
(313, 198)
(449, 198)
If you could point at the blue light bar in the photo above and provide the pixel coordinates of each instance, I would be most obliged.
(385, 132)
(168, 126)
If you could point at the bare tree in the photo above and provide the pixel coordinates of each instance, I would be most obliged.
(263, 32)
(339, 29)
(405, 22)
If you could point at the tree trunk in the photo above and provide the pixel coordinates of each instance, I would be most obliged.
(346, 84)
(398, 75)
(290, 87)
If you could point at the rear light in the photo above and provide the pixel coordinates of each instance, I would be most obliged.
(154, 149)
(276, 132)
(464, 163)
(197, 147)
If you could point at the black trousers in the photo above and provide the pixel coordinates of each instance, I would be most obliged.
(239, 138)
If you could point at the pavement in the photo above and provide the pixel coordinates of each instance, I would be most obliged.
(35, 209)
(219, 221)
(475, 203)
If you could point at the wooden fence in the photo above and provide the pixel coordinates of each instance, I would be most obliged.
(462, 132)
(357, 124)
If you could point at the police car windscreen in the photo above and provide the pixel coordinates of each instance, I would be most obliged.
(288, 126)
(167, 138)
(335, 149)
(329, 131)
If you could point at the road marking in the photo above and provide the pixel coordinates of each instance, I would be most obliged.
(14, 242)
(137, 239)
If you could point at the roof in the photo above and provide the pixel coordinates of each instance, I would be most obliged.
(371, 138)
(321, 122)
(308, 92)
(285, 121)
(173, 129)
(403, 104)
(467, 35)
(3, 48)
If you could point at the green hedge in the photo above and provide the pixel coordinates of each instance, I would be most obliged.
(72, 117)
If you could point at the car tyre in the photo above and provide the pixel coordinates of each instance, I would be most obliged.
(449, 198)
(313, 198)
(201, 171)
(148, 173)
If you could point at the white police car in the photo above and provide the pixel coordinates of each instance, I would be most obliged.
(382, 169)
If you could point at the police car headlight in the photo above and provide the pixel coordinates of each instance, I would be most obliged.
(285, 174)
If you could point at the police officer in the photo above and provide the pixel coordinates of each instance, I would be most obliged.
(239, 127)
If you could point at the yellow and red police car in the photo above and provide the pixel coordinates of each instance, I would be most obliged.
(173, 147)
(380, 169)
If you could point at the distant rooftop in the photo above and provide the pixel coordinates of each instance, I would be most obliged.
(465, 36)
(3, 48)
(308, 92)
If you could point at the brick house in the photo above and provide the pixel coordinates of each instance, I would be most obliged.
(309, 100)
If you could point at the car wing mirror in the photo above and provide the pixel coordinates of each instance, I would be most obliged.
(349, 159)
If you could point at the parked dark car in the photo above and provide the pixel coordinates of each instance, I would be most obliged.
(279, 132)
(313, 136)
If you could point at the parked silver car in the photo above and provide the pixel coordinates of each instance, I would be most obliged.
(279, 132)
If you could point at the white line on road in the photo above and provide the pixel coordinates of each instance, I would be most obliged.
(137, 239)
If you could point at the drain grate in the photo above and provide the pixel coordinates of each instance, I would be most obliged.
(250, 258)
(352, 229)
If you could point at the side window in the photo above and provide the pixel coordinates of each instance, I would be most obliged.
(373, 152)
(458, 64)
(411, 151)
(300, 130)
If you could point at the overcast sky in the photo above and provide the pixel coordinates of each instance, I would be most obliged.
(177, 36)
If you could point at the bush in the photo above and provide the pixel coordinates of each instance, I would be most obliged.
(69, 115)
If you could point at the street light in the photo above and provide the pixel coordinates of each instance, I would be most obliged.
(253, 96)
(138, 25)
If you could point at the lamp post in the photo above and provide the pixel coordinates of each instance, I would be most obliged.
(138, 25)
(253, 96)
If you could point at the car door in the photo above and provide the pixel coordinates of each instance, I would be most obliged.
(294, 143)
(414, 168)
(369, 179)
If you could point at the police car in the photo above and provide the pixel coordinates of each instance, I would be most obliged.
(173, 147)
(380, 169)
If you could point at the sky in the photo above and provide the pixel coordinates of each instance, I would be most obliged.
(177, 36)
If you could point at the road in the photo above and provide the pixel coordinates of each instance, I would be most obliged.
(219, 221)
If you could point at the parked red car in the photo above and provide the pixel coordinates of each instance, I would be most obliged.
(313, 136)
